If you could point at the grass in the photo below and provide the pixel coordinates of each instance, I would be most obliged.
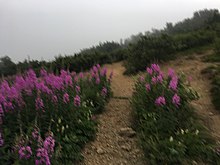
(167, 126)
(212, 58)
(213, 72)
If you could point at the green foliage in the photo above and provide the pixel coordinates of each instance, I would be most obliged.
(149, 49)
(169, 131)
(217, 46)
(213, 72)
(7, 67)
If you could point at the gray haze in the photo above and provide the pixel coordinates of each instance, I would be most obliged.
(45, 28)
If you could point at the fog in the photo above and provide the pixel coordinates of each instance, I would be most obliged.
(42, 29)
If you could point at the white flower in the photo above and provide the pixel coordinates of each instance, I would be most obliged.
(171, 138)
(59, 120)
(182, 131)
(197, 132)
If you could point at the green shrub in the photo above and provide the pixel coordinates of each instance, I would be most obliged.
(213, 72)
(168, 129)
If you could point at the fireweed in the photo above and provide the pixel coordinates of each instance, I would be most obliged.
(32, 107)
(166, 123)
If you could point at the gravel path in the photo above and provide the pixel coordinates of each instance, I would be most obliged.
(116, 143)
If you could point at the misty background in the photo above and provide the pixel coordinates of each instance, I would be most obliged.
(42, 29)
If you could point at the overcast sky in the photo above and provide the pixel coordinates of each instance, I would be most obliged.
(45, 28)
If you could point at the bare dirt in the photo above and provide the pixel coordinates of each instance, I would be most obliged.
(192, 66)
(110, 148)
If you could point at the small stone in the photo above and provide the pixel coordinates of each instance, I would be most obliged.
(211, 114)
(126, 147)
(127, 132)
(194, 162)
(100, 151)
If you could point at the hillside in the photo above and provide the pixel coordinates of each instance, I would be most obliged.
(111, 148)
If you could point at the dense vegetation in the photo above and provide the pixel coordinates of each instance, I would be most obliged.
(166, 124)
(48, 119)
(107, 52)
(161, 45)
(138, 50)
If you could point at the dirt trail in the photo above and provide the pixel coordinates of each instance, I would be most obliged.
(111, 148)
(192, 66)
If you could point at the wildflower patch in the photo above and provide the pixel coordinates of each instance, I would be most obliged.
(167, 126)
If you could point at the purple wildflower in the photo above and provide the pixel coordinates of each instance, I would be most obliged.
(173, 83)
(49, 144)
(76, 78)
(160, 101)
(155, 67)
(98, 66)
(77, 101)
(81, 75)
(25, 152)
(160, 78)
(103, 72)
(149, 71)
(68, 80)
(1, 111)
(154, 80)
(147, 86)
(43, 157)
(95, 69)
(104, 91)
(141, 79)
(42, 87)
(36, 134)
(77, 88)
(171, 72)
(43, 72)
(66, 98)
(176, 100)
(97, 80)
(1, 140)
(54, 99)
(39, 104)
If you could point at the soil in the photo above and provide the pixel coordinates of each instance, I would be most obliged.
(110, 148)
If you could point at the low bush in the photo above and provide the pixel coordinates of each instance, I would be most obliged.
(48, 119)
(213, 72)
(168, 129)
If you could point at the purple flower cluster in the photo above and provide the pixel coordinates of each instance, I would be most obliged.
(173, 83)
(176, 100)
(25, 152)
(42, 157)
(44, 153)
(104, 92)
(147, 86)
(77, 101)
(160, 101)
(1, 140)
(77, 88)
(97, 73)
(39, 104)
(155, 73)
(49, 144)
(155, 76)
(44, 91)
(66, 98)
